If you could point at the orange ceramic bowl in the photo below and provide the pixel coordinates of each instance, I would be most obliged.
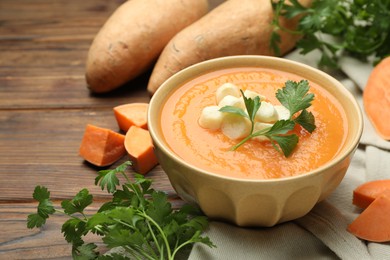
(254, 202)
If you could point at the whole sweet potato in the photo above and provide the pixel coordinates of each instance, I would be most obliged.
(235, 27)
(132, 38)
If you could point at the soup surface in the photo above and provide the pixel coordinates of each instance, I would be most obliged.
(210, 150)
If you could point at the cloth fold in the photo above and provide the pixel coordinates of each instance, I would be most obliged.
(321, 234)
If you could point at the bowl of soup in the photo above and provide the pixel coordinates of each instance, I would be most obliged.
(256, 184)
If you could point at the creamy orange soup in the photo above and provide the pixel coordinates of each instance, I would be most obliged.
(209, 150)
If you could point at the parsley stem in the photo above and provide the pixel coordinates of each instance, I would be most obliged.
(73, 216)
(127, 178)
(148, 245)
(258, 133)
(160, 249)
(235, 147)
(184, 244)
(138, 251)
(169, 254)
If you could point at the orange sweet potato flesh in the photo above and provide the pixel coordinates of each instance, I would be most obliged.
(101, 146)
(376, 98)
(139, 147)
(131, 114)
(130, 41)
(366, 193)
(373, 224)
(235, 27)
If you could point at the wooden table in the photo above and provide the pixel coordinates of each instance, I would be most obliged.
(44, 108)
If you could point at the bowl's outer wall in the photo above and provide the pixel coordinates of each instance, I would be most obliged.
(251, 203)
(254, 202)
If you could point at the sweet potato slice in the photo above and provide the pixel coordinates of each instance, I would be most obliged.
(366, 193)
(131, 114)
(139, 146)
(373, 224)
(376, 98)
(101, 146)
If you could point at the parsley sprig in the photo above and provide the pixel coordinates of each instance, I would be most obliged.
(295, 97)
(334, 27)
(138, 219)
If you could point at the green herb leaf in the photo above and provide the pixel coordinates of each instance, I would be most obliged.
(124, 238)
(287, 143)
(277, 133)
(107, 179)
(234, 110)
(275, 42)
(160, 208)
(306, 120)
(294, 96)
(138, 219)
(82, 200)
(280, 127)
(41, 193)
(85, 252)
(100, 220)
(113, 256)
(337, 27)
(73, 229)
(251, 105)
(35, 220)
(44, 209)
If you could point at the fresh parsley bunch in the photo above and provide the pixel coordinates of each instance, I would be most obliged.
(138, 219)
(359, 28)
(295, 97)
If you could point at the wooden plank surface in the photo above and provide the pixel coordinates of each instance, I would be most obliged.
(44, 108)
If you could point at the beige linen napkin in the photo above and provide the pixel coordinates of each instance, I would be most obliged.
(321, 234)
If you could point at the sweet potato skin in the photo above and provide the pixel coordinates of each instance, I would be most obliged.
(132, 38)
(376, 98)
(235, 27)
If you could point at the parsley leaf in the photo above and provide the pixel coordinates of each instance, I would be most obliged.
(306, 120)
(295, 97)
(35, 220)
(335, 27)
(287, 143)
(160, 209)
(234, 110)
(138, 219)
(108, 179)
(41, 193)
(85, 252)
(252, 106)
(44, 209)
(280, 127)
(277, 133)
(78, 203)
(73, 229)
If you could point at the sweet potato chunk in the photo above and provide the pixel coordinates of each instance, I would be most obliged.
(139, 146)
(373, 224)
(101, 146)
(131, 114)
